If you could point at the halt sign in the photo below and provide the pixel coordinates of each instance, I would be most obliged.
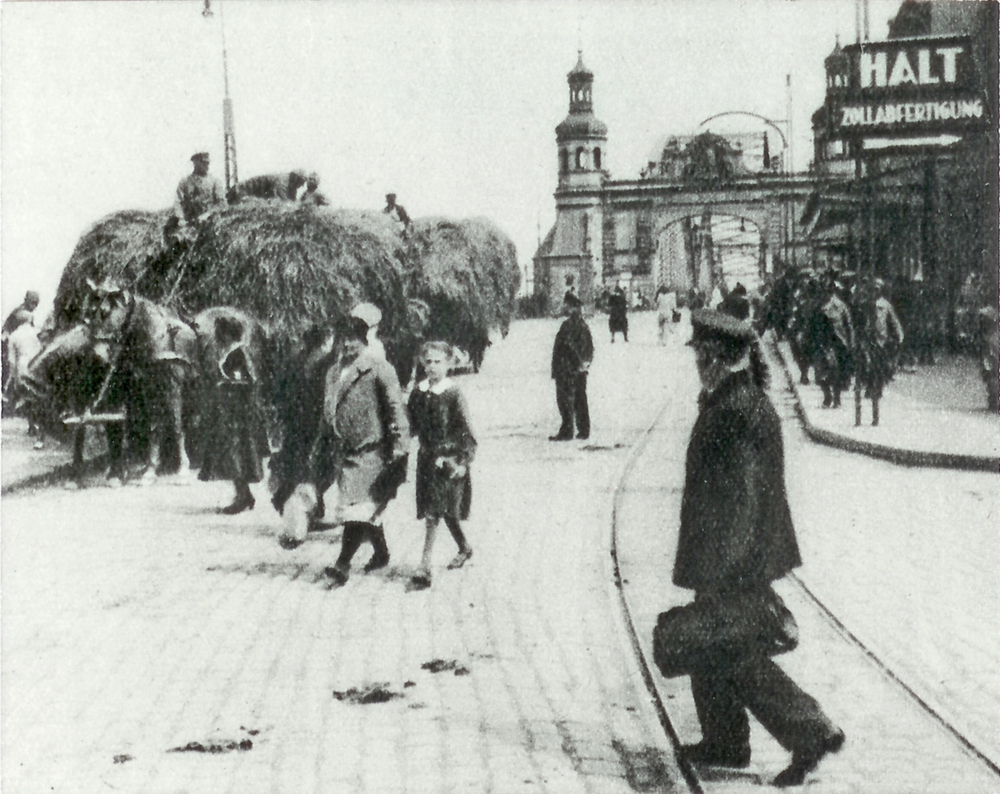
(902, 87)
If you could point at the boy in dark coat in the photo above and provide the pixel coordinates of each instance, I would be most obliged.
(363, 444)
(736, 537)
(571, 356)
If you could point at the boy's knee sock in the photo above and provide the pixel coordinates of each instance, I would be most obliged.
(354, 534)
(376, 534)
(455, 528)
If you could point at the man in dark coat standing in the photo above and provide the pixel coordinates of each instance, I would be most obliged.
(571, 356)
(736, 537)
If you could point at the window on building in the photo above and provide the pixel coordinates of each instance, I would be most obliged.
(581, 158)
(597, 158)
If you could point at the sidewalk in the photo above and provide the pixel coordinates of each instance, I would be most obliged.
(928, 417)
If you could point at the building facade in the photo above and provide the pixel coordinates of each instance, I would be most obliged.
(669, 227)
(910, 127)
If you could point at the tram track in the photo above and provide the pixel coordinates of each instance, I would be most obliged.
(646, 667)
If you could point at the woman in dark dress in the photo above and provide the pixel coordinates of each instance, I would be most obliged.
(236, 437)
(440, 419)
(618, 314)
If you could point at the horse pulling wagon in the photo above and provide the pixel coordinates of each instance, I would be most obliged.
(130, 298)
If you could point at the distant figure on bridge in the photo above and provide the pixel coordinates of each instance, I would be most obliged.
(396, 212)
(571, 356)
(736, 303)
(618, 313)
(834, 332)
(313, 197)
(281, 187)
(736, 537)
(666, 308)
(199, 194)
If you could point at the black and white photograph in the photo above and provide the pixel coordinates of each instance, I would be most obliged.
(499, 396)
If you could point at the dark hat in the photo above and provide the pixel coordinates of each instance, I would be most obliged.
(735, 304)
(390, 195)
(571, 300)
(711, 324)
(200, 156)
(352, 328)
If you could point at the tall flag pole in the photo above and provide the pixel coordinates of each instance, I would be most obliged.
(228, 119)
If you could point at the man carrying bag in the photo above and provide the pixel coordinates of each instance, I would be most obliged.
(736, 537)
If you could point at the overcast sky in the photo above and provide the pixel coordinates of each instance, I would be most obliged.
(451, 105)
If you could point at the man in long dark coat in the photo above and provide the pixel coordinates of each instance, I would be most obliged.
(571, 356)
(736, 537)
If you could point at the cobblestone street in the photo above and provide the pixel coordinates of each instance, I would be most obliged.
(153, 645)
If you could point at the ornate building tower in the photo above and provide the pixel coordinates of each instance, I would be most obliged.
(581, 138)
(570, 257)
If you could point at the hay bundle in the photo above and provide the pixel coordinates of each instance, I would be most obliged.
(467, 275)
(294, 267)
(122, 246)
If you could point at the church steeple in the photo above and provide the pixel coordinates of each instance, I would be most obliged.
(581, 137)
(581, 81)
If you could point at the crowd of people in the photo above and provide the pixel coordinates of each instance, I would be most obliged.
(345, 424)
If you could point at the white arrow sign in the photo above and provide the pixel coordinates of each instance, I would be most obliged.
(886, 143)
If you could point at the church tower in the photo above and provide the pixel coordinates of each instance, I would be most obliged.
(571, 256)
(581, 138)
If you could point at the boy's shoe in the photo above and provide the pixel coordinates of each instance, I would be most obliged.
(421, 580)
(805, 761)
(460, 559)
(338, 578)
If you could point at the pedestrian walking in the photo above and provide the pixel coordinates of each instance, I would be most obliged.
(22, 315)
(300, 391)
(372, 316)
(363, 444)
(666, 307)
(235, 441)
(572, 354)
(618, 314)
(439, 417)
(736, 537)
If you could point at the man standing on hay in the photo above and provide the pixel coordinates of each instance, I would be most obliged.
(313, 197)
(364, 442)
(199, 194)
(396, 212)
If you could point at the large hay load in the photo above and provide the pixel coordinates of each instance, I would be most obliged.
(468, 277)
(294, 267)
